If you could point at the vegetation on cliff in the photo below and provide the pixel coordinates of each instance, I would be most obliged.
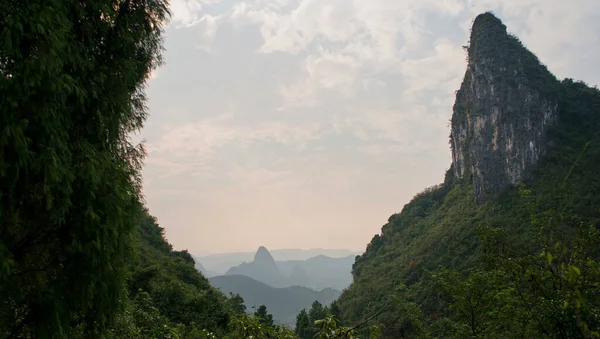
(522, 264)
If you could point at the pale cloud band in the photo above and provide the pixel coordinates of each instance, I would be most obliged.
(306, 123)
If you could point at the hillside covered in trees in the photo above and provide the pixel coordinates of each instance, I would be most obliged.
(284, 303)
(506, 246)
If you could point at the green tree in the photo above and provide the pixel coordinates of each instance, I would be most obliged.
(317, 311)
(245, 326)
(236, 304)
(303, 326)
(553, 293)
(335, 310)
(264, 317)
(72, 74)
(178, 291)
(473, 300)
(329, 329)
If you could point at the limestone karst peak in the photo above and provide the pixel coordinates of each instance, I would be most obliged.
(488, 22)
(505, 105)
(263, 255)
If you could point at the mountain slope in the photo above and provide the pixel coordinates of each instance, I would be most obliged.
(220, 263)
(319, 272)
(262, 268)
(203, 270)
(512, 122)
(283, 303)
(165, 285)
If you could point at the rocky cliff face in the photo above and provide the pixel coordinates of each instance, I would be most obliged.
(504, 107)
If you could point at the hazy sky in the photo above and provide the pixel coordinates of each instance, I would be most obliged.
(307, 123)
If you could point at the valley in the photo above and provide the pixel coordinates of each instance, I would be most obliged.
(285, 287)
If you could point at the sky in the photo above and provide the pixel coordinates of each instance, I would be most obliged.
(307, 123)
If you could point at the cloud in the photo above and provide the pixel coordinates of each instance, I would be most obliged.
(185, 12)
(191, 147)
(442, 69)
(343, 40)
(322, 71)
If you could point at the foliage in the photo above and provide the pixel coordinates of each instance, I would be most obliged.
(165, 288)
(72, 75)
(264, 317)
(439, 228)
(244, 326)
(303, 327)
(553, 294)
(236, 304)
(307, 323)
(317, 312)
(328, 329)
(284, 303)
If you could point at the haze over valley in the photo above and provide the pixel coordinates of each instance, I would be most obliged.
(219, 264)
(285, 287)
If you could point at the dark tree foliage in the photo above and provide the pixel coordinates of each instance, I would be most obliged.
(335, 310)
(303, 326)
(173, 285)
(555, 294)
(307, 322)
(317, 312)
(236, 304)
(264, 316)
(72, 75)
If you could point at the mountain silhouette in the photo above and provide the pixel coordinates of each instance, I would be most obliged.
(263, 268)
(322, 272)
(219, 263)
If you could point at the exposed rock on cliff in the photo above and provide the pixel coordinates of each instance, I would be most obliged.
(504, 107)
(512, 120)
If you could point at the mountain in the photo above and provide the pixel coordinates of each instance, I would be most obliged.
(299, 254)
(203, 270)
(319, 272)
(503, 110)
(262, 268)
(283, 303)
(220, 263)
(462, 258)
(299, 277)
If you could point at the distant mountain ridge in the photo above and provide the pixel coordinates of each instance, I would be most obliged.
(263, 268)
(218, 264)
(283, 303)
(318, 272)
